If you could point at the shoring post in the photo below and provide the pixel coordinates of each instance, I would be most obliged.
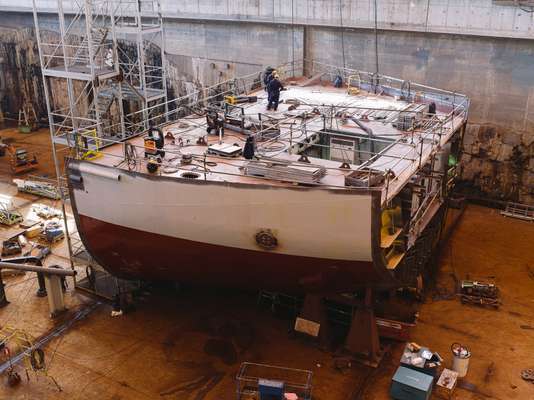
(3, 298)
(41, 292)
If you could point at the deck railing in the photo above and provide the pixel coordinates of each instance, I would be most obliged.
(420, 142)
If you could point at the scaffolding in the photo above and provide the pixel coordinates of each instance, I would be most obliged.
(109, 57)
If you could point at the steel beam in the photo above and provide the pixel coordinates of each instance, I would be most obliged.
(34, 268)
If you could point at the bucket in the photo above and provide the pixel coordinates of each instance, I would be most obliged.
(460, 360)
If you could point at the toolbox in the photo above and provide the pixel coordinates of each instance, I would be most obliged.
(409, 384)
(270, 390)
(423, 361)
(33, 231)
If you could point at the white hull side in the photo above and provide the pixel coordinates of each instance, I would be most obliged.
(310, 222)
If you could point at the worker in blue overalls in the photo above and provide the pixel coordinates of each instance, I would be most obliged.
(267, 78)
(268, 75)
(273, 90)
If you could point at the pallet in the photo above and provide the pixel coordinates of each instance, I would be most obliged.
(480, 300)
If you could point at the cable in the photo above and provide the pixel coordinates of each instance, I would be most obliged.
(376, 37)
(275, 146)
(427, 14)
(18, 283)
(130, 155)
(234, 136)
(522, 6)
(292, 36)
(20, 297)
(342, 34)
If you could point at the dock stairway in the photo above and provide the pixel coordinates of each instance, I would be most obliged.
(107, 95)
(99, 37)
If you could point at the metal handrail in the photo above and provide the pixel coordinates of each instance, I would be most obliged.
(435, 127)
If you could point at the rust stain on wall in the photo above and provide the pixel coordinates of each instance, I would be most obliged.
(498, 163)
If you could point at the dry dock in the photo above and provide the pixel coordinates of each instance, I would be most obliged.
(189, 344)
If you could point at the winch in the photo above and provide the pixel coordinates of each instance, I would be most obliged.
(154, 153)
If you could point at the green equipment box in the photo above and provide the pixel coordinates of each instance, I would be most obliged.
(408, 384)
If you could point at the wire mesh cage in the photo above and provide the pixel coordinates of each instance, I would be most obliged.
(296, 383)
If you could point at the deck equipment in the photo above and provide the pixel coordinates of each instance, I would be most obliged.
(9, 217)
(479, 293)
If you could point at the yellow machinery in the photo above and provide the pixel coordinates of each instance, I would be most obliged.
(85, 153)
(230, 99)
(233, 99)
(390, 233)
(353, 84)
(150, 147)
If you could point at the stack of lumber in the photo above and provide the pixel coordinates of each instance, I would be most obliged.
(38, 188)
(284, 172)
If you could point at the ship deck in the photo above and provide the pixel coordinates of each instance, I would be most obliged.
(299, 129)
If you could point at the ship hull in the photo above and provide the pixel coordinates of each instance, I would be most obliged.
(155, 228)
(149, 256)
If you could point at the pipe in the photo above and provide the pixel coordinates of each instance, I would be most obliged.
(37, 260)
(33, 268)
(78, 316)
(100, 172)
(367, 130)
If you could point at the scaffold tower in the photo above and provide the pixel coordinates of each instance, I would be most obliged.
(109, 58)
(103, 67)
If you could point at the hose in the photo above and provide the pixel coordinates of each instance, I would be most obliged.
(37, 357)
(130, 155)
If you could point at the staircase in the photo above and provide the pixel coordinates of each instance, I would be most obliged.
(99, 37)
(103, 101)
(131, 92)
(105, 97)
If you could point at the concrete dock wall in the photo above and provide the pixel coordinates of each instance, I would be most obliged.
(474, 47)
(473, 17)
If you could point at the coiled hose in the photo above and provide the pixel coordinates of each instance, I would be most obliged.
(130, 155)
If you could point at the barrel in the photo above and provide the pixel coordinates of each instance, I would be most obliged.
(460, 360)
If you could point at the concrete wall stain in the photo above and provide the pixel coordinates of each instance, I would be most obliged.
(21, 73)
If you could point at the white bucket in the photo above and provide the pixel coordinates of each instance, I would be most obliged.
(460, 360)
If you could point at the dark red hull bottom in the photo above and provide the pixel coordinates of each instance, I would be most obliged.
(130, 253)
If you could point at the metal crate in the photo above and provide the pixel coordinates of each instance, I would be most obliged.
(296, 381)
